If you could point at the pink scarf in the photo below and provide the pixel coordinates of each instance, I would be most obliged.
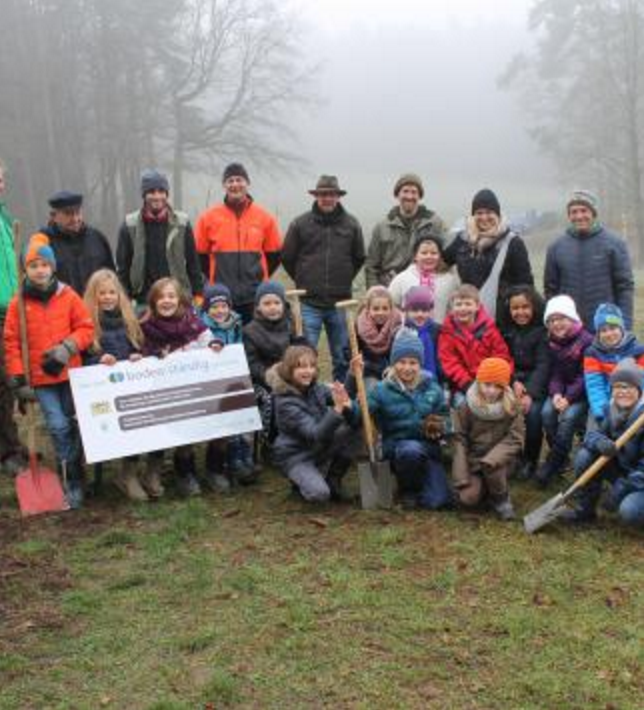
(378, 338)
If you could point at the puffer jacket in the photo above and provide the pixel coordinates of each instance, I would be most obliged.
(592, 269)
(567, 366)
(392, 241)
(323, 253)
(8, 269)
(62, 317)
(229, 333)
(265, 342)
(114, 341)
(528, 347)
(600, 362)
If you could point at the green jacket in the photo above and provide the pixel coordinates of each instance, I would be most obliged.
(8, 274)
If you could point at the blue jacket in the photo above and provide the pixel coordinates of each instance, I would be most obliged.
(228, 334)
(428, 335)
(114, 341)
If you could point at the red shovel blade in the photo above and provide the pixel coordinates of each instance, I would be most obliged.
(39, 491)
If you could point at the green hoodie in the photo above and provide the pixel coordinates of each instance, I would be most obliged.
(8, 275)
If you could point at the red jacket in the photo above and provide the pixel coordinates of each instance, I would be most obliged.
(461, 350)
(243, 248)
(64, 316)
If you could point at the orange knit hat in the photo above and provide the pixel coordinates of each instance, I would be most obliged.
(38, 247)
(494, 371)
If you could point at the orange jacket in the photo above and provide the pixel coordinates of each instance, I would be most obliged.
(64, 316)
(242, 250)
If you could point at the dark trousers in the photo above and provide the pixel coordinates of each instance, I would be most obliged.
(9, 441)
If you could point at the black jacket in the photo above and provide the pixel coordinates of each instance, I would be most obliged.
(323, 253)
(78, 256)
(529, 349)
(265, 342)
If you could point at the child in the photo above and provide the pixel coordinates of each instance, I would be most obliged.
(218, 315)
(117, 336)
(419, 306)
(625, 471)
(612, 343)
(468, 336)
(314, 446)
(409, 409)
(527, 340)
(59, 328)
(565, 409)
(488, 439)
(377, 323)
(169, 326)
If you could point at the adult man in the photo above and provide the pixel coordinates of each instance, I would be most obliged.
(590, 263)
(393, 238)
(80, 250)
(155, 242)
(240, 242)
(11, 451)
(323, 252)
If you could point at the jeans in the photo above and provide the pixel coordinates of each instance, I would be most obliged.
(560, 428)
(57, 406)
(332, 319)
(631, 509)
(419, 470)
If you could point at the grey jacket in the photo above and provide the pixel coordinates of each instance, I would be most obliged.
(592, 269)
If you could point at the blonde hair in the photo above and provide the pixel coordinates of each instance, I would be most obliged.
(509, 401)
(465, 292)
(132, 327)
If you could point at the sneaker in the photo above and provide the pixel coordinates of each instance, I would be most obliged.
(217, 482)
(188, 486)
(74, 494)
(505, 510)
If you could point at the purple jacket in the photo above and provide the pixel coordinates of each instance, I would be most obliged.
(567, 365)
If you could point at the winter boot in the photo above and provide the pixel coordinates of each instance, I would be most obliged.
(337, 471)
(216, 478)
(127, 481)
(504, 509)
(185, 468)
(584, 509)
(151, 476)
(550, 468)
(72, 475)
(237, 468)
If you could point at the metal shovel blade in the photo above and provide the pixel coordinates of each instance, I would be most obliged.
(545, 514)
(376, 485)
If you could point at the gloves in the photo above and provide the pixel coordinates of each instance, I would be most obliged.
(600, 443)
(55, 359)
(434, 426)
(21, 391)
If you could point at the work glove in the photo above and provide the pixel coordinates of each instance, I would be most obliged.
(600, 443)
(22, 392)
(55, 360)
(434, 426)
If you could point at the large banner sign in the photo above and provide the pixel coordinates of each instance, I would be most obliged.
(152, 404)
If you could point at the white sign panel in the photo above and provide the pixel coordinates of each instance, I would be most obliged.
(135, 407)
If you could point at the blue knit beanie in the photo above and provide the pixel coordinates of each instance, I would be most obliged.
(407, 344)
(608, 314)
(273, 288)
(214, 293)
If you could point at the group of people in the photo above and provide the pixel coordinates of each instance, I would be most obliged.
(461, 357)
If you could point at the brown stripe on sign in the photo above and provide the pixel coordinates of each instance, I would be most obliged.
(186, 393)
(194, 410)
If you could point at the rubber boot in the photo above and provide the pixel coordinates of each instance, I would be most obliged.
(72, 475)
(150, 479)
(186, 470)
(337, 471)
(216, 478)
(127, 481)
(237, 468)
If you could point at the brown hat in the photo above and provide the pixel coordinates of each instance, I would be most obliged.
(328, 183)
(409, 179)
(494, 371)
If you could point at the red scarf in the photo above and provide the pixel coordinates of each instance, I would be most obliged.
(155, 217)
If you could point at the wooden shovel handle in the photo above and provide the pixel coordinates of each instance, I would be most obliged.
(294, 296)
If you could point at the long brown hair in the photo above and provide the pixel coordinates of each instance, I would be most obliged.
(155, 294)
(132, 327)
(292, 358)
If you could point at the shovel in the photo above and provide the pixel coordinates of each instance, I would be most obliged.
(376, 481)
(38, 489)
(553, 509)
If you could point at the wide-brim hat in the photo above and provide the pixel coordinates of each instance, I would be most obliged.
(328, 183)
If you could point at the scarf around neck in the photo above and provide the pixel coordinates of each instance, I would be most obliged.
(30, 290)
(169, 334)
(378, 338)
(155, 217)
(482, 241)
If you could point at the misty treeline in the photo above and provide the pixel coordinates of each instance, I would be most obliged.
(583, 87)
(94, 91)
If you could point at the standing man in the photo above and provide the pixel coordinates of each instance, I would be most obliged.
(390, 251)
(80, 250)
(155, 242)
(240, 242)
(323, 253)
(590, 263)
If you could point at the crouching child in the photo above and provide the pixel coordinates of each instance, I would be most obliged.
(488, 439)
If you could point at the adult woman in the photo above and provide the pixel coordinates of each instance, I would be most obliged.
(488, 254)
(427, 269)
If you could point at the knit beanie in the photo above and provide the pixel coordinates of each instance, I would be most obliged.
(235, 170)
(561, 306)
(409, 179)
(586, 198)
(407, 344)
(608, 314)
(428, 237)
(38, 248)
(494, 371)
(216, 293)
(486, 200)
(272, 288)
(154, 180)
(419, 298)
(628, 372)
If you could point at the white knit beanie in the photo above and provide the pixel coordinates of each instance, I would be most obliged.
(561, 306)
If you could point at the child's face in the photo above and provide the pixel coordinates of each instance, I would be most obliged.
(107, 296)
(271, 307)
(625, 396)
(427, 257)
(407, 369)
(219, 311)
(380, 310)
(39, 272)
(305, 372)
(464, 310)
(610, 336)
(418, 316)
(489, 392)
(521, 310)
(560, 326)
(167, 304)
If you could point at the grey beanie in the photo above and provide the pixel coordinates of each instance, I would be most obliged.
(628, 372)
(153, 180)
